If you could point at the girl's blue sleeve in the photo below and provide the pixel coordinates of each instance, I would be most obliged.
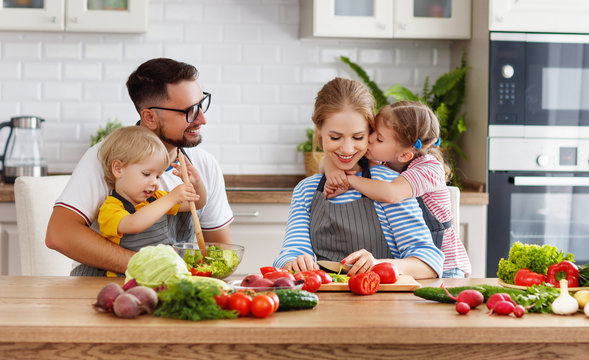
(297, 240)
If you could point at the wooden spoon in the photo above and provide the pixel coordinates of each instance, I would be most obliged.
(197, 229)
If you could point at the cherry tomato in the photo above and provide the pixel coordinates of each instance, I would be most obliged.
(312, 282)
(365, 283)
(194, 272)
(240, 302)
(221, 300)
(276, 299)
(267, 269)
(279, 274)
(325, 278)
(387, 272)
(262, 306)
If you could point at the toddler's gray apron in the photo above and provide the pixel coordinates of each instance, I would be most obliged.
(337, 230)
(154, 235)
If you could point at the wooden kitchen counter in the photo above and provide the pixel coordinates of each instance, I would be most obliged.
(51, 317)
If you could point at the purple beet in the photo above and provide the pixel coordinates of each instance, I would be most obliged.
(107, 296)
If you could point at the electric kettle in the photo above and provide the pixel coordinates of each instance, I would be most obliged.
(23, 153)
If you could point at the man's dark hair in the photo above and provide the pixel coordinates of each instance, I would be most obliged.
(147, 85)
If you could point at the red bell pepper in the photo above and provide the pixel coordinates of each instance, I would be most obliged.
(563, 270)
(526, 277)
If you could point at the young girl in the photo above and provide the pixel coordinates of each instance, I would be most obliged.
(406, 139)
(133, 215)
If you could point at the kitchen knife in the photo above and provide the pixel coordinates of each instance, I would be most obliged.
(334, 266)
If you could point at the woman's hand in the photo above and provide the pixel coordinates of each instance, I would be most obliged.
(362, 261)
(302, 263)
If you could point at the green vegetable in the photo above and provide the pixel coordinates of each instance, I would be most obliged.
(156, 265)
(191, 300)
(296, 299)
(530, 256)
(338, 278)
(538, 298)
(220, 263)
(438, 294)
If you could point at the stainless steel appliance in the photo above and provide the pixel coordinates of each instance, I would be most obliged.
(538, 145)
(24, 152)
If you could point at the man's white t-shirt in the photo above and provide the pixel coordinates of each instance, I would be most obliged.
(87, 190)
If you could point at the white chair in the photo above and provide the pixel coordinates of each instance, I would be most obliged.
(455, 205)
(34, 199)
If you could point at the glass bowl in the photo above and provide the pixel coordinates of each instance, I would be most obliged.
(220, 261)
(236, 285)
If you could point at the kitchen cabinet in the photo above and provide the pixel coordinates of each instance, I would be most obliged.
(260, 228)
(74, 15)
(388, 19)
(563, 16)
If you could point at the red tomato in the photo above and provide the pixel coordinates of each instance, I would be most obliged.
(262, 306)
(325, 278)
(221, 300)
(279, 274)
(299, 276)
(312, 282)
(276, 299)
(387, 272)
(267, 269)
(365, 283)
(240, 302)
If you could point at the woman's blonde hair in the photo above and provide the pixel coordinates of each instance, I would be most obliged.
(412, 121)
(340, 94)
(130, 145)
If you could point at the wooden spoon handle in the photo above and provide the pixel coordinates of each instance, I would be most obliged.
(197, 229)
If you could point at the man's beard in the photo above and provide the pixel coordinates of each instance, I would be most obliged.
(182, 143)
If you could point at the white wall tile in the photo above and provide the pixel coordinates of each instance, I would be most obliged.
(10, 70)
(103, 51)
(50, 111)
(82, 71)
(81, 112)
(20, 90)
(102, 91)
(26, 50)
(183, 13)
(62, 51)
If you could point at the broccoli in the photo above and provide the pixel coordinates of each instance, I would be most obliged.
(529, 256)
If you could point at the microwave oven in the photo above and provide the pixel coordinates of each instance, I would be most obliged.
(539, 85)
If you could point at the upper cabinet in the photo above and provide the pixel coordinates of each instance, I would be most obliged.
(562, 16)
(401, 19)
(113, 16)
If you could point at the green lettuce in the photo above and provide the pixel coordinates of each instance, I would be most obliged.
(220, 263)
(155, 265)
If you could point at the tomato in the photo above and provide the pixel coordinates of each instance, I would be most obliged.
(240, 302)
(221, 300)
(325, 278)
(299, 276)
(312, 282)
(194, 272)
(365, 283)
(276, 299)
(279, 274)
(387, 272)
(262, 306)
(267, 269)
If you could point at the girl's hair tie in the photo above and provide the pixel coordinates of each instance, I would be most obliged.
(417, 144)
(438, 142)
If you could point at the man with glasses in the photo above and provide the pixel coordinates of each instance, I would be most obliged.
(172, 105)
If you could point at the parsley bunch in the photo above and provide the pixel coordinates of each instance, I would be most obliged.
(530, 256)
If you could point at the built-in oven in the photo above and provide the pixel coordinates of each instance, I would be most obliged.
(538, 194)
(538, 144)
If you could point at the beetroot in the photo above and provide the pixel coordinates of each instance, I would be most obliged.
(146, 295)
(128, 306)
(248, 280)
(284, 282)
(107, 296)
(130, 284)
(262, 283)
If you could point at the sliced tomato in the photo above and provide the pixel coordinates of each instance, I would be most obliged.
(365, 283)
(387, 272)
(267, 269)
(279, 274)
(325, 278)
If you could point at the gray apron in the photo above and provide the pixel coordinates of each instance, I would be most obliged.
(435, 226)
(154, 235)
(337, 230)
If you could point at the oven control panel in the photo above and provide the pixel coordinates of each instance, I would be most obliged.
(527, 154)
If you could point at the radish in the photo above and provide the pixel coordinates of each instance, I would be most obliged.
(498, 297)
(462, 308)
(502, 307)
(472, 298)
(519, 311)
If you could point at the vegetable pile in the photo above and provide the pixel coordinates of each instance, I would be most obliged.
(126, 303)
(218, 263)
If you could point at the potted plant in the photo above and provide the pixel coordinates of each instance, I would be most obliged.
(312, 153)
(445, 98)
(102, 132)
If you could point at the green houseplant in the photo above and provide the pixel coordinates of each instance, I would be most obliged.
(104, 131)
(312, 152)
(445, 98)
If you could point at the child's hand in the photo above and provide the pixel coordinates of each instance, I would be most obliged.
(184, 192)
(333, 191)
(193, 175)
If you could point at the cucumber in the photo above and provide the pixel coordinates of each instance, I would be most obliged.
(490, 290)
(439, 295)
(296, 299)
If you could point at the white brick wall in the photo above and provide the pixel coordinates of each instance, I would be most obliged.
(262, 76)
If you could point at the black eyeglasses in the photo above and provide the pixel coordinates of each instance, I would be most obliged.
(192, 112)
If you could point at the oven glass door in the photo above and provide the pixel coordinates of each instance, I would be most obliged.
(537, 208)
(557, 84)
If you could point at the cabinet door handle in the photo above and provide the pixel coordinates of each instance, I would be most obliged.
(254, 213)
(550, 181)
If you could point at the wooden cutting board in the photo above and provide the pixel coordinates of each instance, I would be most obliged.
(404, 283)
